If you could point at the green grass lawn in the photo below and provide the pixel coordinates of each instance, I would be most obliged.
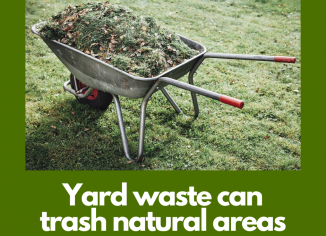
(62, 134)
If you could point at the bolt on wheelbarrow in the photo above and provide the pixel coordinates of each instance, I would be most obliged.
(97, 83)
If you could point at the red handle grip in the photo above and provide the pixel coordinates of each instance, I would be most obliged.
(285, 59)
(232, 101)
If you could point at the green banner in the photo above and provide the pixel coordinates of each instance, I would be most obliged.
(208, 201)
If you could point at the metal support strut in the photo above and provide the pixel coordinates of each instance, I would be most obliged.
(170, 99)
(79, 95)
(141, 125)
(222, 98)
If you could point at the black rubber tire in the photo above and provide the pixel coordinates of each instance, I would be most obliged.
(102, 100)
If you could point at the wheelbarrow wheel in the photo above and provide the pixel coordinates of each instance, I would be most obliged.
(97, 99)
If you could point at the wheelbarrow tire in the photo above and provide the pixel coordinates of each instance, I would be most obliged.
(97, 99)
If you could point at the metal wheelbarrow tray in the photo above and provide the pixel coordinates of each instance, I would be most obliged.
(96, 74)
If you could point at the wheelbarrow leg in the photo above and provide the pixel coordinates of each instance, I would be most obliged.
(170, 99)
(121, 126)
(141, 125)
(191, 81)
(193, 95)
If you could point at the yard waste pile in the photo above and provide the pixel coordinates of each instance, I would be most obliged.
(116, 35)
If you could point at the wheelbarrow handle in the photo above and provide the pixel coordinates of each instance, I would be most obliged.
(285, 59)
(250, 57)
(231, 56)
(222, 98)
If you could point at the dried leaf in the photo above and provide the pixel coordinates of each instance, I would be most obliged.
(266, 137)
(86, 129)
(233, 137)
(143, 28)
(111, 46)
(71, 26)
(114, 41)
(53, 126)
(129, 162)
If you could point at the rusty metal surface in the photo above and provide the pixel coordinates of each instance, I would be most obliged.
(102, 76)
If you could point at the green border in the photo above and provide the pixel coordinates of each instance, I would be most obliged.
(296, 195)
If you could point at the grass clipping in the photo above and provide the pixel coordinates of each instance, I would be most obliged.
(116, 35)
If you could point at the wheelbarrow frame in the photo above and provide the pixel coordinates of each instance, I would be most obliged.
(97, 74)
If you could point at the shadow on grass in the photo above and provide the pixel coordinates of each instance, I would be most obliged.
(74, 136)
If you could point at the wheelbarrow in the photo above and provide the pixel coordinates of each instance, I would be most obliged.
(97, 83)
